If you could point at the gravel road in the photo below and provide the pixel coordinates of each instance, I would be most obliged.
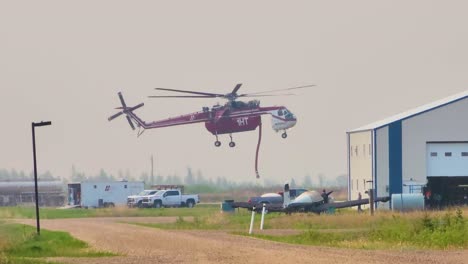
(137, 244)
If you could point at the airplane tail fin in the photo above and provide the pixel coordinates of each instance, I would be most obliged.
(128, 111)
(286, 196)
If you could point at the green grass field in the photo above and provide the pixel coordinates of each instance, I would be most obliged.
(20, 244)
(388, 231)
(417, 230)
(52, 213)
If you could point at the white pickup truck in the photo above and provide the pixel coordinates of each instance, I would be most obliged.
(135, 200)
(170, 198)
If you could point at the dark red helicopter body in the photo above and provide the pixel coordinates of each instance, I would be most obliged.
(233, 117)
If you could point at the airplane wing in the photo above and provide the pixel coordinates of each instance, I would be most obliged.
(306, 207)
(258, 207)
(324, 207)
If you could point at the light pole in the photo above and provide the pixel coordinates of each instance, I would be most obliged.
(34, 125)
(152, 170)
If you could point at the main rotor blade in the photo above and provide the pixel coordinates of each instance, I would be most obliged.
(181, 96)
(236, 88)
(264, 95)
(130, 122)
(115, 116)
(122, 100)
(191, 92)
(278, 90)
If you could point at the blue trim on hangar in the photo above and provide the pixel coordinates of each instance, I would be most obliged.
(395, 161)
(374, 157)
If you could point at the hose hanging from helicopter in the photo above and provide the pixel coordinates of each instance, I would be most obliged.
(258, 148)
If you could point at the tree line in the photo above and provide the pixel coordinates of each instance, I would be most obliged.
(190, 178)
(14, 175)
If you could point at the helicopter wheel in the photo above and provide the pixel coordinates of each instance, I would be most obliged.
(217, 143)
(231, 144)
(284, 135)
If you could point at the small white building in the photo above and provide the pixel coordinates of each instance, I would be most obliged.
(427, 145)
(102, 194)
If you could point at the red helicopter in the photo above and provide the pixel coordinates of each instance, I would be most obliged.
(232, 117)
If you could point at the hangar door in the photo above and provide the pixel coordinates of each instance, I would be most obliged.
(447, 159)
(447, 172)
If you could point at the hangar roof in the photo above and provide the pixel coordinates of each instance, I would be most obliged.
(413, 112)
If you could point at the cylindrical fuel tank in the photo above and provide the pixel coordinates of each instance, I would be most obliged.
(407, 202)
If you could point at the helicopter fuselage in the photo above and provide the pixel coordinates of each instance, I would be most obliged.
(227, 119)
(233, 124)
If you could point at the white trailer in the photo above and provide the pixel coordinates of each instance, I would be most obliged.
(102, 194)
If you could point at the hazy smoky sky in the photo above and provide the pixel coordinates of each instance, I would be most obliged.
(65, 61)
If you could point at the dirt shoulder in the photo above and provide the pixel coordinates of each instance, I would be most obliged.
(138, 244)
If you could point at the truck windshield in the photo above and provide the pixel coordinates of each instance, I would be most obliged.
(146, 192)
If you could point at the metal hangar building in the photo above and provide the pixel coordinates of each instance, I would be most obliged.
(426, 147)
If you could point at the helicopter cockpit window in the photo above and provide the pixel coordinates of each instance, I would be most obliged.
(280, 112)
(288, 114)
(253, 103)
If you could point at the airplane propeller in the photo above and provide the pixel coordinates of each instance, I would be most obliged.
(125, 110)
(229, 96)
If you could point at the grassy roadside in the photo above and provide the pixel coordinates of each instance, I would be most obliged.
(386, 230)
(212, 221)
(449, 231)
(20, 244)
(53, 213)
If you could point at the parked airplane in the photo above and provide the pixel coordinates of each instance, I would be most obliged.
(309, 201)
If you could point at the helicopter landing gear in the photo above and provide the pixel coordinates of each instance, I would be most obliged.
(284, 135)
(217, 142)
(232, 143)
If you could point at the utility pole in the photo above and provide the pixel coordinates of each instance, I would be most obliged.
(152, 170)
(34, 125)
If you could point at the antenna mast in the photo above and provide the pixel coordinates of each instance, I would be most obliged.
(152, 170)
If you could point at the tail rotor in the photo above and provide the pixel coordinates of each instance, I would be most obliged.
(125, 110)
